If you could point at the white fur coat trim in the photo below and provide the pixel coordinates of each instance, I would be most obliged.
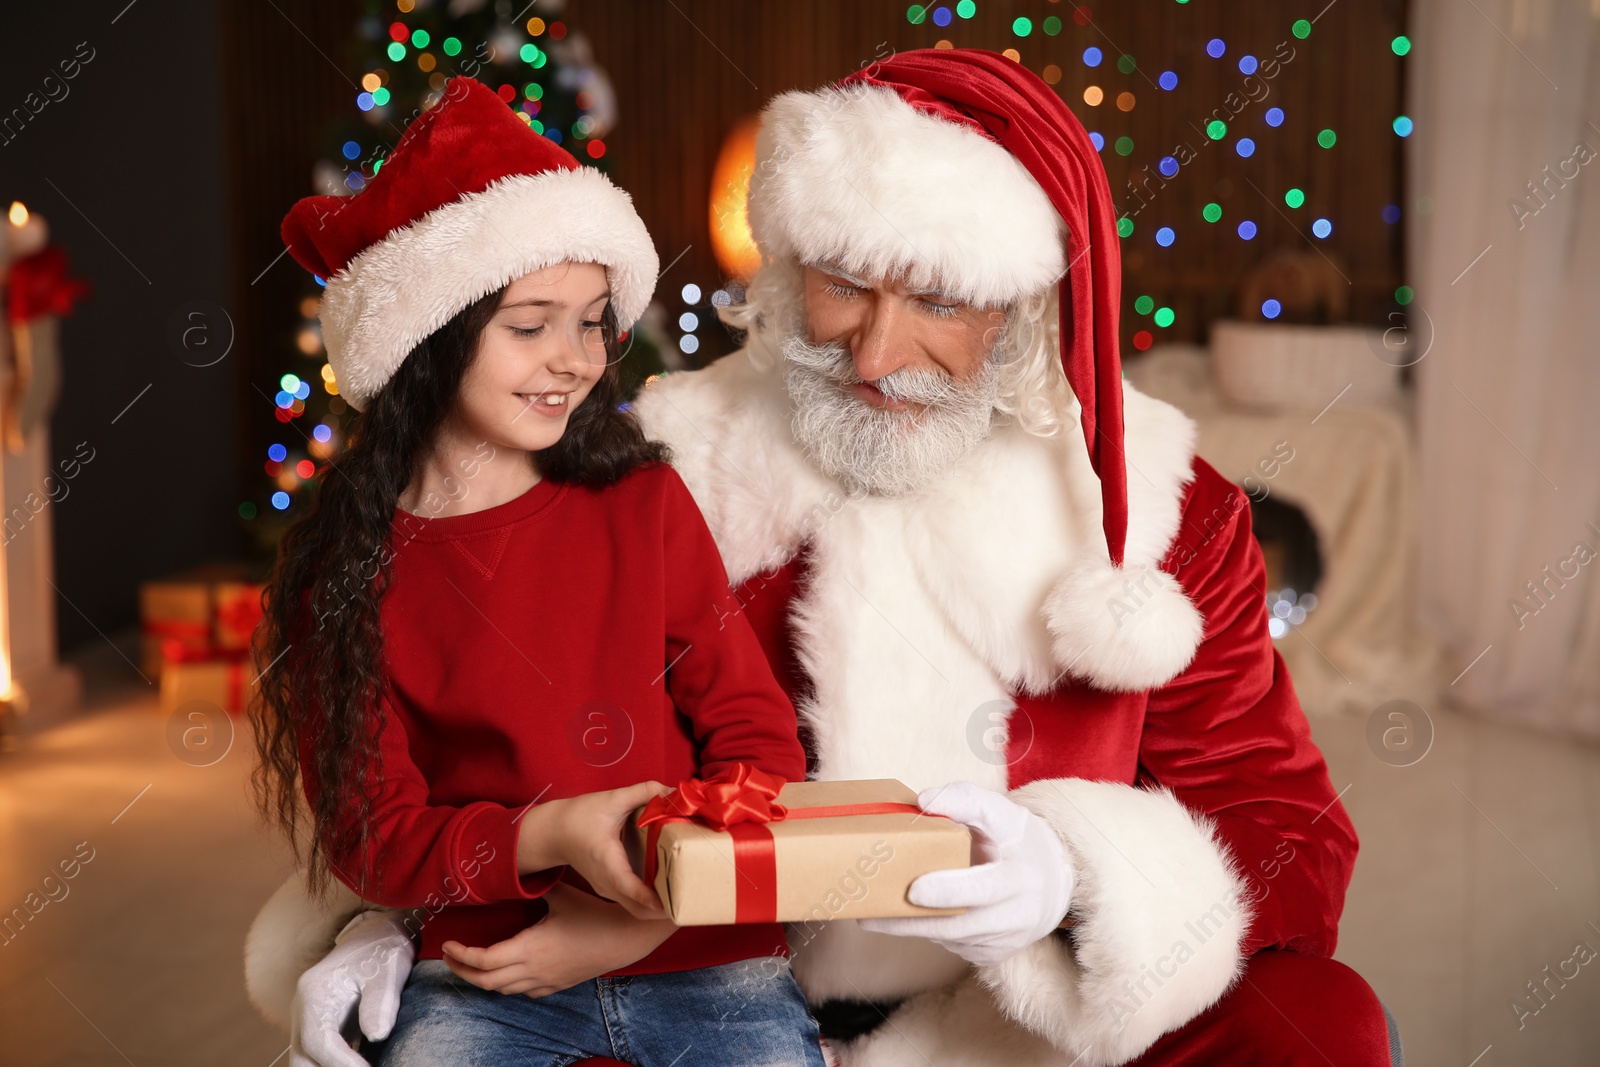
(843, 176)
(1008, 546)
(290, 934)
(398, 291)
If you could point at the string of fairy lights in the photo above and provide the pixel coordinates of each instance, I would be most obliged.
(1099, 67)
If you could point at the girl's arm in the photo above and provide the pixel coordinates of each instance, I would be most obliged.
(581, 938)
(423, 855)
(719, 675)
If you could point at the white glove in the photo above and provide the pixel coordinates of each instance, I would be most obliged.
(367, 969)
(1017, 891)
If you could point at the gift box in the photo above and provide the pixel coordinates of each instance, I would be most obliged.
(197, 611)
(220, 679)
(745, 847)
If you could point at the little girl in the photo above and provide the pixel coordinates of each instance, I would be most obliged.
(504, 623)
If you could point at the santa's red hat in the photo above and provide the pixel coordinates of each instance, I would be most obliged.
(962, 167)
(469, 200)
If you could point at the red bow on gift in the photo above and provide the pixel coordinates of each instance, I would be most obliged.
(741, 793)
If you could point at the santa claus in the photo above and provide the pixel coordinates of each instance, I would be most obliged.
(982, 564)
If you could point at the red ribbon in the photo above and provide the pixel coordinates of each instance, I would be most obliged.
(177, 652)
(180, 628)
(740, 801)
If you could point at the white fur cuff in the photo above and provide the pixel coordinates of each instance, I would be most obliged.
(1160, 913)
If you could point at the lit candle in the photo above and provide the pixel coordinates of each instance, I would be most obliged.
(27, 232)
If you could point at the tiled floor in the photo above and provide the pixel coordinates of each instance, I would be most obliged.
(1480, 866)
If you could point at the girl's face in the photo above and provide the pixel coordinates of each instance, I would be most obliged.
(538, 358)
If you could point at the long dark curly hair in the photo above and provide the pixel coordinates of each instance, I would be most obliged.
(320, 643)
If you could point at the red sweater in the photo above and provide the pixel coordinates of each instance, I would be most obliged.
(568, 641)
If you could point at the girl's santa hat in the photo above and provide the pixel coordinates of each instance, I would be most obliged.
(961, 168)
(469, 200)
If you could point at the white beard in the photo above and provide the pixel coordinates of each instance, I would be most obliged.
(873, 450)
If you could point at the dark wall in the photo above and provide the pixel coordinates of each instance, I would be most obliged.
(128, 169)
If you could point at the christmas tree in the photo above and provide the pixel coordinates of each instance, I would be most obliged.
(406, 51)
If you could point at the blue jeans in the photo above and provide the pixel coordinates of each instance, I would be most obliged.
(739, 1014)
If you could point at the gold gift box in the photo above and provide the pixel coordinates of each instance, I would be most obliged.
(831, 867)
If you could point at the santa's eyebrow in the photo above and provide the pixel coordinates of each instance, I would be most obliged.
(940, 293)
(844, 275)
(833, 271)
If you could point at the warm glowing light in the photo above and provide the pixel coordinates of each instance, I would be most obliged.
(731, 241)
(1093, 95)
(371, 82)
(19, 213)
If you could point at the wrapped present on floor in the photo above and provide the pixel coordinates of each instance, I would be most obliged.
(221, 678)
(745, 847)
(212, 606)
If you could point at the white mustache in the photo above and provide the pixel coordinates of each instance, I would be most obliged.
(833, 362)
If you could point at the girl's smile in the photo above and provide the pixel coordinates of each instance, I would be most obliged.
(551, 405)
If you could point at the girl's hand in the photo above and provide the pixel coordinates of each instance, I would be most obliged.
(585, 833)
(583, 937)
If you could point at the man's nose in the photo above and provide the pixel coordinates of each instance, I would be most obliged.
(880, 348)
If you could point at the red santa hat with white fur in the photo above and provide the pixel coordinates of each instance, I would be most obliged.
(962, 167)
(469, 200)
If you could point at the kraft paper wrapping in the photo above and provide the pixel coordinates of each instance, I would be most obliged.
(835, 867)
